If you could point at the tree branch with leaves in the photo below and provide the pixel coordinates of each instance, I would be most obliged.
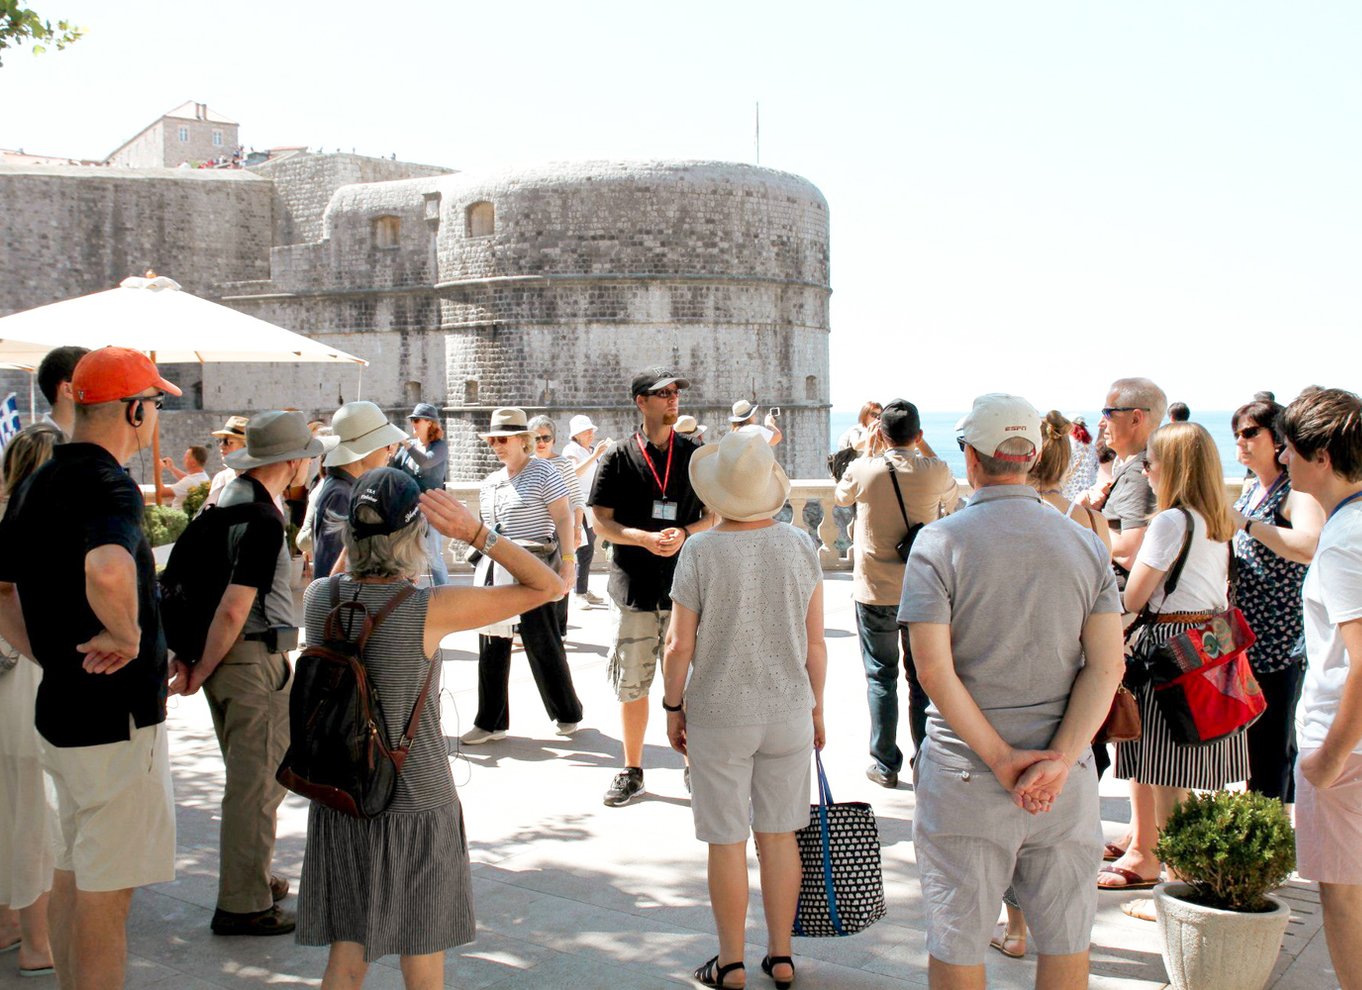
(20, 24)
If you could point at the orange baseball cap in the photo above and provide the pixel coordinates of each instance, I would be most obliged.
(115, 373)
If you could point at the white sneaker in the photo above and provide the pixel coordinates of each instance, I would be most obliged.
(590, 599)
(568, 728)
(476, 736)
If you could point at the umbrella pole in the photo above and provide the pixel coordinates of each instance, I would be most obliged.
(156, 455)
(32, 399)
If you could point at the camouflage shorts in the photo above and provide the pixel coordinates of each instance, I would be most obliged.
(637, 651)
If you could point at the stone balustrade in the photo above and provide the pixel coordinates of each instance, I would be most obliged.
(810, 501)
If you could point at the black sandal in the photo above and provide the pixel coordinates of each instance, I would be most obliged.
(711, 974)
(771, 962)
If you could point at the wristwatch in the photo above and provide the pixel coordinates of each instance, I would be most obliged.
(672, 708)
(491, 540)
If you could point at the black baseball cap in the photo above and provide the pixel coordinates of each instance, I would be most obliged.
(394, 494)
(656, 378)
(900, 421)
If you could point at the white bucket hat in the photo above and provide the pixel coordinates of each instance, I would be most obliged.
(739, 479)
(742, 411)
(997, 417)
(580, 424)
(362, 429)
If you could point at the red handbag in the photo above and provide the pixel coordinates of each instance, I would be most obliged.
(1203, 684)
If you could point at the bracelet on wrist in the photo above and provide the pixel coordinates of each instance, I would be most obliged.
(570, 558)
(1248, 523)
(672, 708)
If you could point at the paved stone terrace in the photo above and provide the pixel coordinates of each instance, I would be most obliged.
(571, 894)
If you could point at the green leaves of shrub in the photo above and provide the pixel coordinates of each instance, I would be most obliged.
(1232, 847)
(163, 524)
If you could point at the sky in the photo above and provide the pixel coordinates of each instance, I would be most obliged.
(1033, 197)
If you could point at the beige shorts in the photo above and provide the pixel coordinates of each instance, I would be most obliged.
(1329, 825)
(640, 638)
(972, 842)
(749, 773)
(116, 810)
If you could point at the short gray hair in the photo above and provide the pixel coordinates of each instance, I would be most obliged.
(400, 554)
(996, 467)
(1141, 393)
(539, 421)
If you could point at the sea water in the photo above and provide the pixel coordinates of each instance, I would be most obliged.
(939, 431)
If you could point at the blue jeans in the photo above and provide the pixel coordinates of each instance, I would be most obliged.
(881, 640)
(435, 545)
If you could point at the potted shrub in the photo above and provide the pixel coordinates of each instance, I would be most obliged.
(1222, 929)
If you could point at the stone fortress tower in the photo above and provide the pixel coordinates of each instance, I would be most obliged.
(550, 287)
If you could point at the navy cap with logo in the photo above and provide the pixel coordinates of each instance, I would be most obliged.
(393, 494)
(656, 378)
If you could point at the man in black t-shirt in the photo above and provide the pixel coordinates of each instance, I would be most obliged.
(644, 505)
(245, 672)
(78, 595)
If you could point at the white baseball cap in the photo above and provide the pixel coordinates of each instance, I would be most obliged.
(997, 417)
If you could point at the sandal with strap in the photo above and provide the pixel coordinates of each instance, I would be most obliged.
(711, 974)
(771, 962)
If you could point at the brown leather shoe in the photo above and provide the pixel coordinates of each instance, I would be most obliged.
(272, 921)
(278, 888)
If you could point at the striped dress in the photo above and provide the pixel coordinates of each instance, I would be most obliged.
(398, 883)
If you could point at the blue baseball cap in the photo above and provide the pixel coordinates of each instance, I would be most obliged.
(393, 494)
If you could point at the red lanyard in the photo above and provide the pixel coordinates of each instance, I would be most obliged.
(666, 478)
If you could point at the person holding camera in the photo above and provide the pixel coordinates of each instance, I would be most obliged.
(245, 672)
(744, 420)
(896, 485)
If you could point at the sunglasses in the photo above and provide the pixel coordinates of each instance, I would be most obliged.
(158, 400)
(666, 393)
(1248, 432)
(498, 441)
(960, 442)
(543, 439)
(1106, 412)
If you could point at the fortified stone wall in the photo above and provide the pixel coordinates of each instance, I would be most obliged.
(305, 182)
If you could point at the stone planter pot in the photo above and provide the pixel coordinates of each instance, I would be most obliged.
(1210, 949)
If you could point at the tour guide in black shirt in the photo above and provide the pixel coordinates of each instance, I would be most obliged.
(644, 505)
(73, 548)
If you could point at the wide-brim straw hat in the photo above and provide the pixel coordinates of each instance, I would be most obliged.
(742, 411)
(738, 478)
(688, 426)
(362, 429)
(508, 421)
(273, 437)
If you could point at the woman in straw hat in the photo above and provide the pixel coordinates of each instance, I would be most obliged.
(747, 626)
(399, 883)
(525, 501)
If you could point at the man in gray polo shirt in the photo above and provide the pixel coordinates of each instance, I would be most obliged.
(1004, 600)
(1134, 409)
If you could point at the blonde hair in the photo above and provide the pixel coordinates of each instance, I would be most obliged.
(1055, 453)
(27, 451)
(1189, 476)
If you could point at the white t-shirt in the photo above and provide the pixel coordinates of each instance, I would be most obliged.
(220, 481)
(186, 484)
(766, 434)
(1331, 596)
(579, 454)
(1204, 581)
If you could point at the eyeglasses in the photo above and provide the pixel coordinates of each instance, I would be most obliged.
(158, 400)
(540, 438)
(960, 441)
(1106, 413)
(498, 441)
(1248, 432)
(665, 393)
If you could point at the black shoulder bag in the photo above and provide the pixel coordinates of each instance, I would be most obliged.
(905, 545)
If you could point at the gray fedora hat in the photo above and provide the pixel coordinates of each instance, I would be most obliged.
(272, 437)
(362, 429)
(508, 421)
(425, 410)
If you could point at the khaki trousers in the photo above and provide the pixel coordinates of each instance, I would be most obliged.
(248, 699)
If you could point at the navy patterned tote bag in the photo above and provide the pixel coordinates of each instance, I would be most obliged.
(843, 887)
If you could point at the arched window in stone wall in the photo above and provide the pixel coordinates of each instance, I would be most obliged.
(387, 232)
(479, 220)
(811, 387)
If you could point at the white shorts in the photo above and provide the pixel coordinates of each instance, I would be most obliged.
(749, 773)
(1329, 825)
(116, 809)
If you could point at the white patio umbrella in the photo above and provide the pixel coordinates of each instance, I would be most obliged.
(156, 316)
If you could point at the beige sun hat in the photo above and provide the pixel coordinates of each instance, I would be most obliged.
(508, 421)
(687, 426)
(362, 429)
(738, 478)
(742, 411)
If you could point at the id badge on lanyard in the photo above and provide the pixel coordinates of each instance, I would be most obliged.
(664, 511)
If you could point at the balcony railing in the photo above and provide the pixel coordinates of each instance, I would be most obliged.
(810, 501)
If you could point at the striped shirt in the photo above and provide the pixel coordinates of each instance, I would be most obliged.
(568, 469)
(519, 505)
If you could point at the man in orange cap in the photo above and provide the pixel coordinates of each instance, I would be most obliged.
(77, 594)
